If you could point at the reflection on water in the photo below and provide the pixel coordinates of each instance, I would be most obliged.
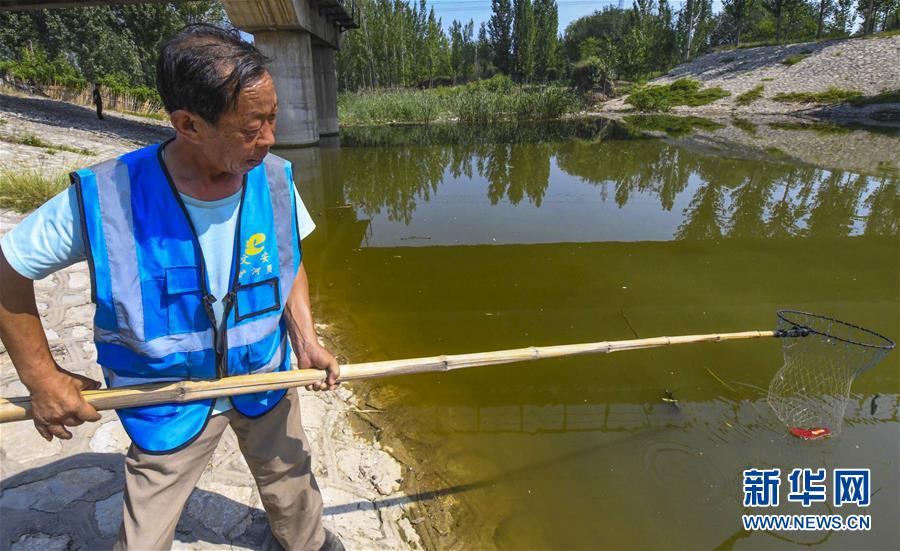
(438, 192)
(452, 240)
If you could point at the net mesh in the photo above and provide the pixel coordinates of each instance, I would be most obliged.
(822, 356)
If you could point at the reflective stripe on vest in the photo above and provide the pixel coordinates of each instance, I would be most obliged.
(153, 318)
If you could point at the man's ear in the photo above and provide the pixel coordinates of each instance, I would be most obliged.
(187, 124)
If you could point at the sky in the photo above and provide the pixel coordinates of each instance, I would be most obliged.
(480, 10)
(569, 10)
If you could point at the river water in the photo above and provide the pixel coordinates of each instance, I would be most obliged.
(451, 240)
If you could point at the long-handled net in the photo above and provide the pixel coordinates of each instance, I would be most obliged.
(822, 357)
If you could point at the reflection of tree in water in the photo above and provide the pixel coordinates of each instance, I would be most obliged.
(393, 177)
(785, 216)
(750, 199)
(730, 197)
(704, 217)
(836, 203)
(632, 166)
(516, 171)
(884, 209)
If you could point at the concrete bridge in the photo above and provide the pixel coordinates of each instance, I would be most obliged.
(301, 37)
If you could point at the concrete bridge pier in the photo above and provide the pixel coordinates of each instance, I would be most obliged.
(292, 69)
(301, 37)
(326, 89)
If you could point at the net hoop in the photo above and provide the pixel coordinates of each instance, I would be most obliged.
(883, 343)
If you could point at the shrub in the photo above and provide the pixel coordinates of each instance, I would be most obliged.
(750, 96)
(794, 59)
(680, 92)
(832, 95)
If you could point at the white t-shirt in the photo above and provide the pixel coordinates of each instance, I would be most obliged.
(50, 239)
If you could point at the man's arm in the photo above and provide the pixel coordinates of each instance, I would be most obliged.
(55, 393)
(302, 332)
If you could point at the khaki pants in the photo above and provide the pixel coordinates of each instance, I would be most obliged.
(277, 451)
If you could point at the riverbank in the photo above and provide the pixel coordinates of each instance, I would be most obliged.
(785, 80)
(59, 495)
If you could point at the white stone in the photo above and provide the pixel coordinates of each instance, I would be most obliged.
(81, 332)
(53, 494)
(22, 442)
(408, 533)
(108, 514)
(79, 280)
(80, 314)
(110, 437)
(382, 471)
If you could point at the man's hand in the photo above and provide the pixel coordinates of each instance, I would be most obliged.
(56, 403)
(313, 355)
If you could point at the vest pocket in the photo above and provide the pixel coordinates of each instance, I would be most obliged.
(256, 299)
(184, 300)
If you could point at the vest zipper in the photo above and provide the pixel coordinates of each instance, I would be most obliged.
(221, 336)
(221, 366)
(220, 332)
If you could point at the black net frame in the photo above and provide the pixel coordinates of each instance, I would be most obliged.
(822, 357)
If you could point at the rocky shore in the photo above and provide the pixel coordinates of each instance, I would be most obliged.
(68, 495)
(864, 65)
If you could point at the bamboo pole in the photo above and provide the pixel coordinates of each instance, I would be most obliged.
(19, 408)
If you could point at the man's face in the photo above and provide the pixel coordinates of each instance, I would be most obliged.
(243, 136)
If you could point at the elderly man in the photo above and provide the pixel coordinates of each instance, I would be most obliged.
(196, 272)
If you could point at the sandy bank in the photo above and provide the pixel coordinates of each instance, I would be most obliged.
(868, 66)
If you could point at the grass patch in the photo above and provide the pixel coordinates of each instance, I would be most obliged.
(767, 79)
(35, 141)
(681, 92)
(882, 34)
(745, 125)
(818, 128)
(892, 96)
(491, 100)
(154, 116)
(794, 59)
(830, 96)
(751, 95)
(24, 190)
(672, 125)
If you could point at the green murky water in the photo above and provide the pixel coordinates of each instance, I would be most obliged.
(454, 240)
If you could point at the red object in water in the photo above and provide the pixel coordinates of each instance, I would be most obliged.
(810, 434)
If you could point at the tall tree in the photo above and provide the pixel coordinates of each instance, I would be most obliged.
(483, 53)
(778, 8)
(546, 21)
(523, 40)
(842, 22)
(824, 7)
(500, 31)
(735, 14)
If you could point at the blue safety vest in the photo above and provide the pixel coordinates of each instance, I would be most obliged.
(154, 320)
